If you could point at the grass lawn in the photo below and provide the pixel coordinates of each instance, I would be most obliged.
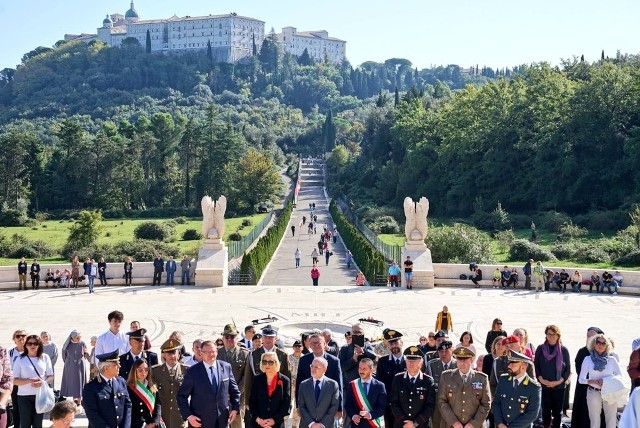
(55, 232)
(544, 239)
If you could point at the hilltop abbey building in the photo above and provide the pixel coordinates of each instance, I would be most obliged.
(231, 36)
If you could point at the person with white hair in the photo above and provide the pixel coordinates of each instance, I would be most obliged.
(331, 346)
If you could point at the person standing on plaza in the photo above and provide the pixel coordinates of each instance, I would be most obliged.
(464, 399)
(90, 272)
(30, 371)
(318, 397)
(209, 395)
(297, 255)
(348, 259)
(19, 338)
(293, 230)
(185, 270)
(413, 393)
(314, 256)
(436, 367)
(74, 372)
(75, 271)
(315, 275)
(237, 357)
(527, 270)
(394, 274)
(106, 399)
(327, 254)
(35, 274)
(22, 274)
(408, 273)
(553, 368)
(516, 402)
(51, 349)
(128, 271)
(102, 272)
(580, 412)
(294, 364)
(496, 330)
(168, 377)
(538, 274)
(146, 410)
(158, 268)
(365, 398)
(113, 338)
(171, 268)
(6, 385)
(444, 320)
(136, 352)
(270, 396)
(317, 345)
(389, 367)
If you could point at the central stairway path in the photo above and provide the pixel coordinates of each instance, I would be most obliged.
(282, 269)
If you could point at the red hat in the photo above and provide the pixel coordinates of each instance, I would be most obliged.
(510, 339)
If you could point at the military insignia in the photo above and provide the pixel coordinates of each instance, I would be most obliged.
(391, 333)
(414, 349)
(476, 385)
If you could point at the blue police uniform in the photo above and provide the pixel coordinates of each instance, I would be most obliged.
(516, 407)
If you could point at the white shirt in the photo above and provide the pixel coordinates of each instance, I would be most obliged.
(22, 369)
(190, 361)
(109, 342)
(215, 371)
(612, 368)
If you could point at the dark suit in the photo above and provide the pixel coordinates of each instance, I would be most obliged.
(377, 397)
(140, 413)
(105, 406)
(333, 347)
(127, 360)
(324, 410)
(519, 407)
(349, 366)
(386, 371)
(275, 407)
(167, 391)
(412, 402)
(197, 395)
(333, 371)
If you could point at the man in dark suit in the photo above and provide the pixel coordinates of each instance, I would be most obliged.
(253, 363)
(249, 331)
(318, 397)
(413, 394)
(105, 399)
(331, 346)
(237, 356)
(365, 398)
(158, 268)
(208, 382)
(168, 377)
(351, 354)
(389, 367)
(136, 341)
(317, 345)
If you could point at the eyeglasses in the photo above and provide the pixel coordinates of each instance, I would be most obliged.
(32, 343)
(422, 339)
(551, 334)
(432, 337)
(316, 367)
(268, 362)
(598, 342)
(20, 336)
(498, 323)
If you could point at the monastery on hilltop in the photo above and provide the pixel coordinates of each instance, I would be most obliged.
(231, 36)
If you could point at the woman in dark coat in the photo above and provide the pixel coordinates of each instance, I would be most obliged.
(145, 405)
(496, 330)
(270, 398)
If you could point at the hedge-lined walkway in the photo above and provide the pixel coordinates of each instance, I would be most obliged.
(282, 270)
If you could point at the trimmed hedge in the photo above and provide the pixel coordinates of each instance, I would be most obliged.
(260, 255)
(370, 261)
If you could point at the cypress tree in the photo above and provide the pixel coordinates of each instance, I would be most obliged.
(209, 51)
(148, 42)
(397, 98)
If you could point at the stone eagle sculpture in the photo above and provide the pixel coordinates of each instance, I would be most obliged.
(416, 226)
(213, 217)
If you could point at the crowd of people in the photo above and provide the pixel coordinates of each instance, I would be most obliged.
(89, 270)
(249, 379)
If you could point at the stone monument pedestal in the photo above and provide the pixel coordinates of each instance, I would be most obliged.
(422, 264)
(213, 264)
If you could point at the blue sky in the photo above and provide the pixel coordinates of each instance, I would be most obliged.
(499, 33)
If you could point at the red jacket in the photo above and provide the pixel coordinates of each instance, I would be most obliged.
(315, 273)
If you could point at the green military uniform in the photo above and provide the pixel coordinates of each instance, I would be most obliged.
(516, 406)
(463, 400)
(168, 382)
(435, 368)
(237, 357)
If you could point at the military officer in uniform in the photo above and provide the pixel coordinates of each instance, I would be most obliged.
(389, 367)
(436, 367)
(237, 356)
(168, 377)
(517, 400)
(105, 399)
(136, 341)
(464, 399)
(413, 394)
(439, 337)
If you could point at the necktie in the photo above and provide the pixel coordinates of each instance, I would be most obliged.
(172, 372)
(464, 379)
(413, 381)
(214, 383)
(110, 384)
(515, 383)
(317, 390)
(366, 387)
(398, 362)
(445, 366)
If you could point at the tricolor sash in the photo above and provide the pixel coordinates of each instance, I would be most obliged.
(145, 395)
(363, 402)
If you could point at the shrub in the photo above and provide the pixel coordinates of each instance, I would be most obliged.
(246, 222)
(459, 243)
(521, 249)
(191, 235)
(592, 254)
(140, 251)
(571, 231)
(631, 259)
(180, 220)
(23, 251)
(235, 236)
(504, 239)
(20, 246)
(552, 220)
(564, 251)
(154, 231)
(11, 217)
(603, 220)
(385, 224)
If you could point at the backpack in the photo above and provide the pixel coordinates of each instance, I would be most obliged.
(463, 276)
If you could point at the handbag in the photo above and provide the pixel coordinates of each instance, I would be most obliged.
(45, 398)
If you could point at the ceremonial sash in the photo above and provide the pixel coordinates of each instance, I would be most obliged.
(363, 402)
(145, 395)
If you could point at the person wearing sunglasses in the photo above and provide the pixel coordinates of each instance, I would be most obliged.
(19, 338)
(237, 356)
(30, 371)
(496, 330)
(6, 385)
(145, 406)
(598, 365)
(270, 397)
